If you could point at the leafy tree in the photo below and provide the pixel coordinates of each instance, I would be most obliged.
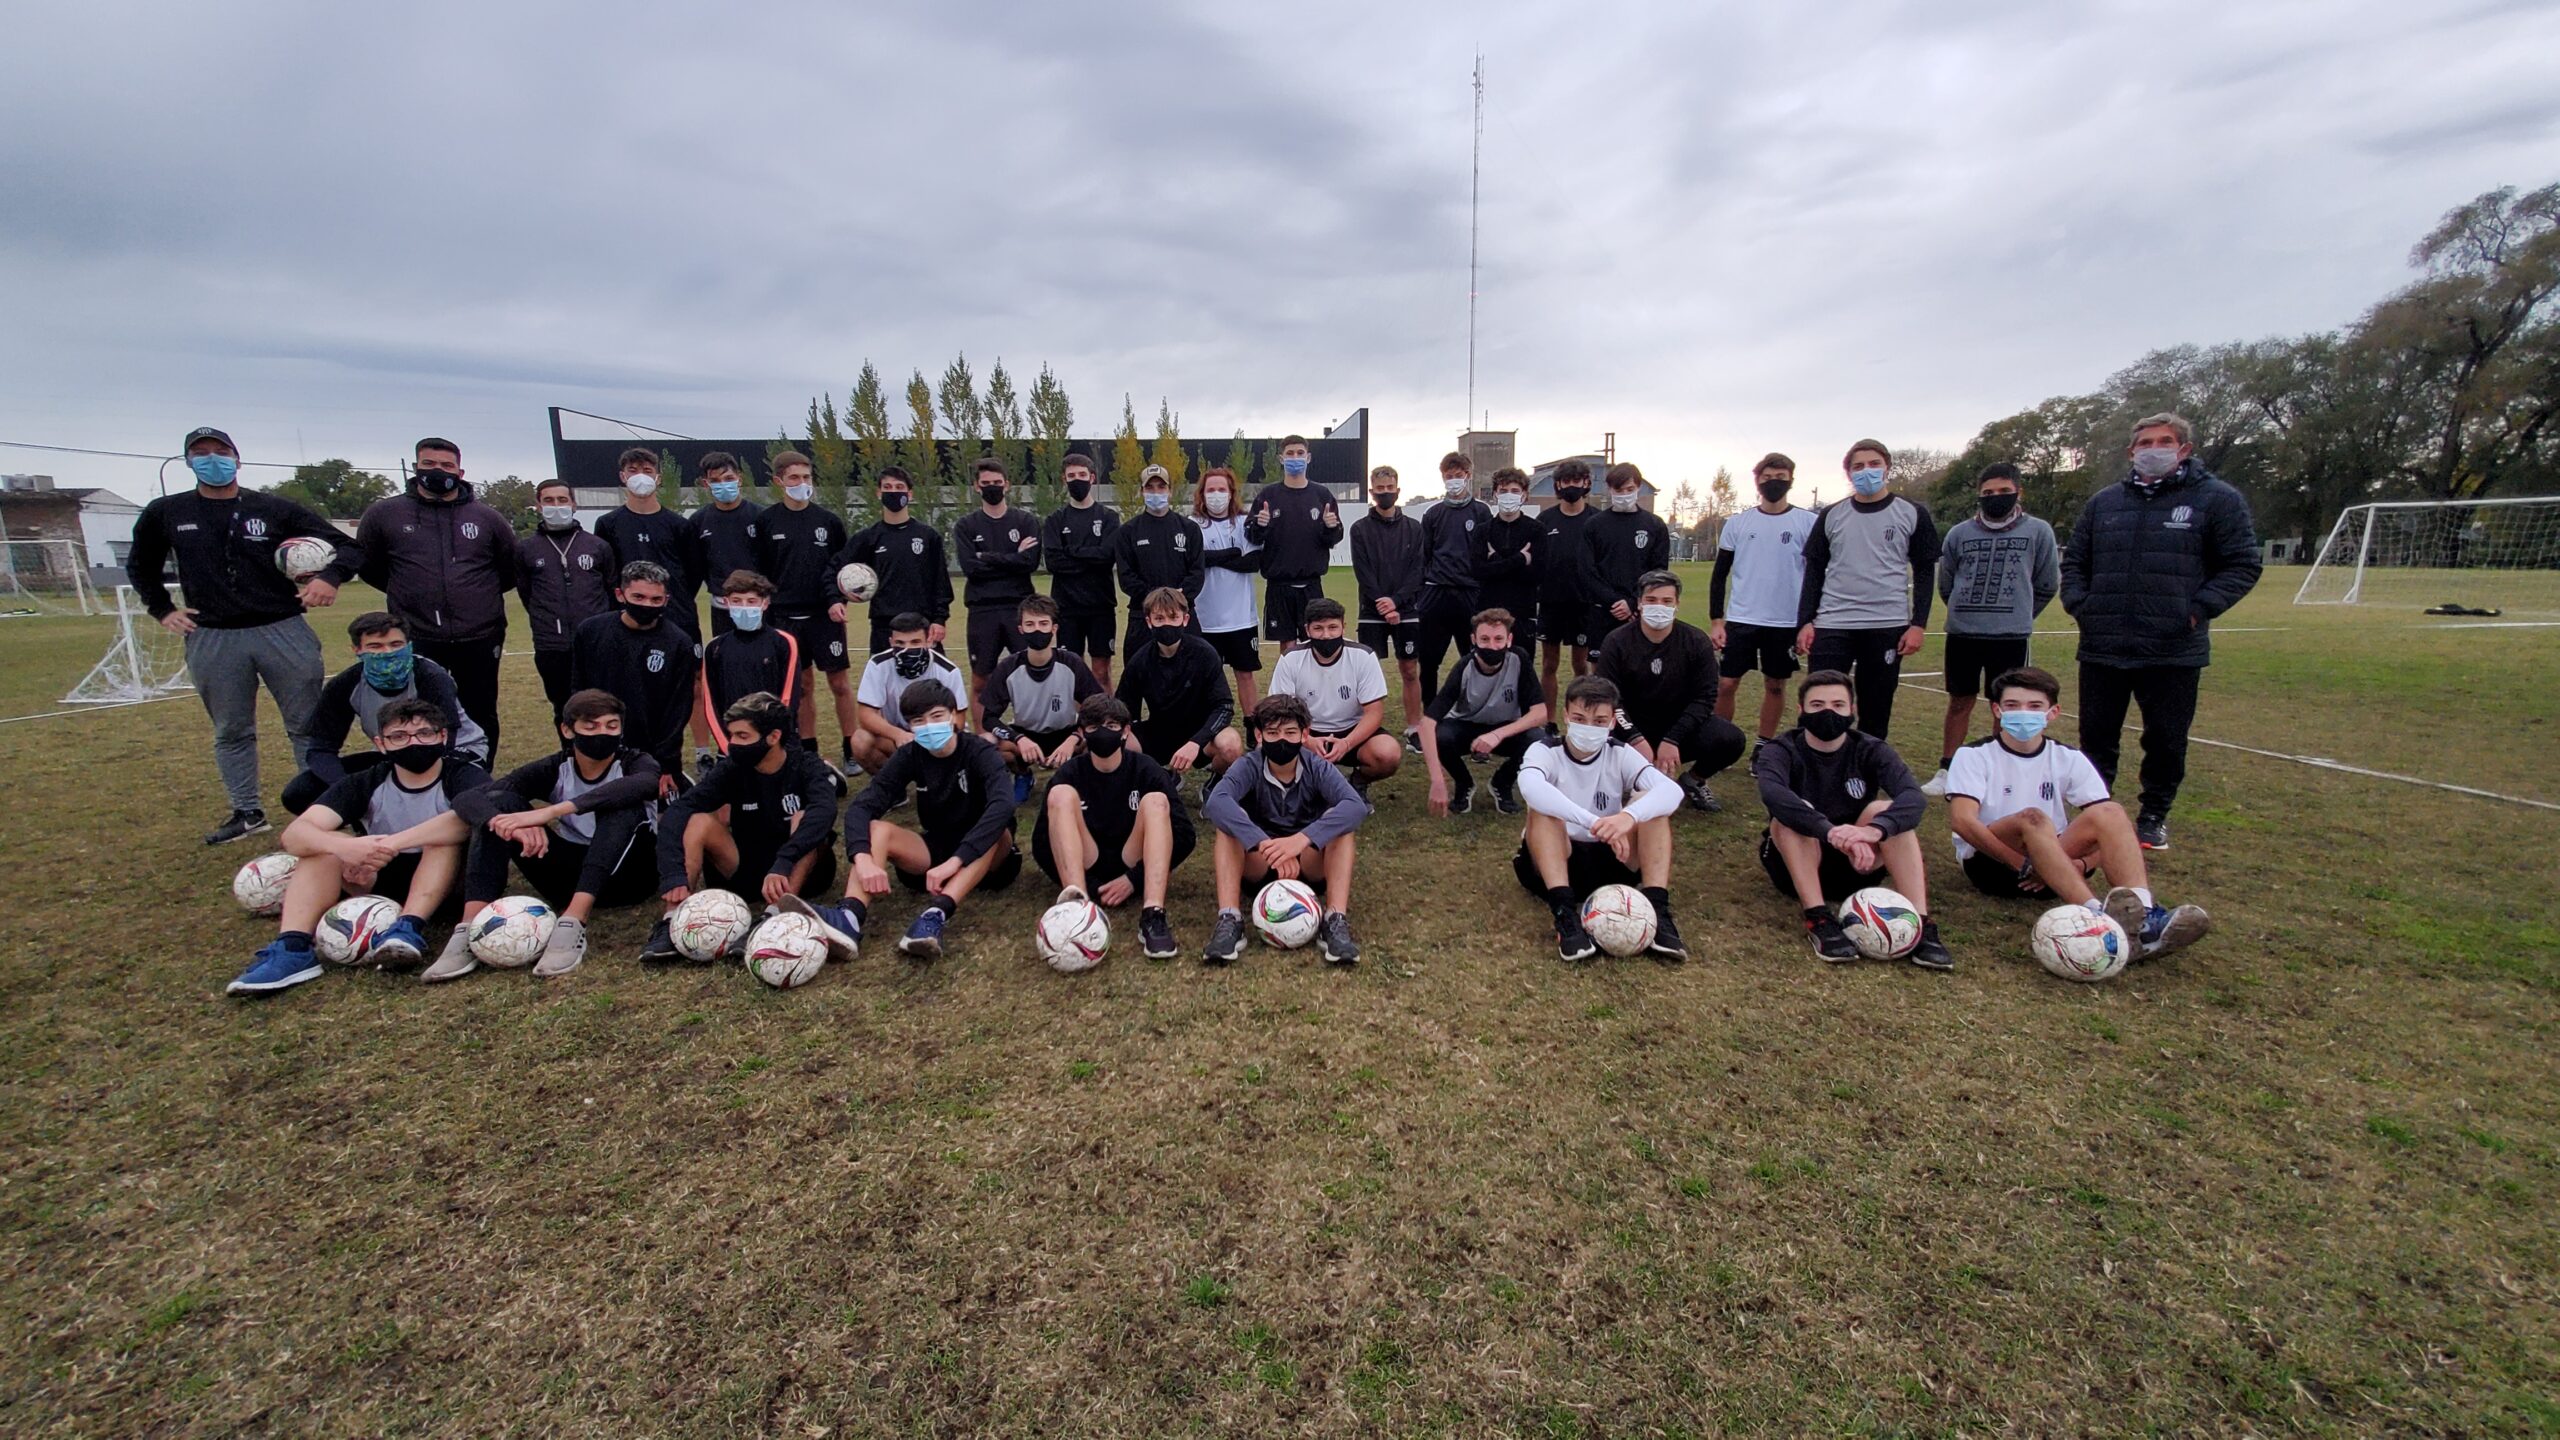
(1168, 447)
(513, 498)
(1721, 499)
(1053, 422)
(1240, 460)
(961, 416)
(1128, 457)
(918, 455)
(866, 417)
(335, 488)
(671, 483)
(1002, 409)
(830, 456)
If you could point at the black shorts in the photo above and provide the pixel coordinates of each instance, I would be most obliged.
(1047, 740)
(1974, 661)
(1108, 866)
(392, 883)
(1840, 879)
(1597, 626)
(1992, 877)
(991, 633)
(821, 640)
(1237, 649)
(1405, 638)
(749, 879)
(1087, 632)
(1000, 875)
(1765, 648)
(1284, 608)
(1590, 866)
(1565, 622)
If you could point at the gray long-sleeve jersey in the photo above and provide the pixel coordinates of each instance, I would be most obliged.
(1996, 582)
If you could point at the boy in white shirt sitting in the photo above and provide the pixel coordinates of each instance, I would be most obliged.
(1599, 814)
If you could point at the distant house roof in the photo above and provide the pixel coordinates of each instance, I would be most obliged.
(1542, 478)
(87, 497)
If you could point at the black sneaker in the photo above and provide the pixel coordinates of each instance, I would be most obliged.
(660, 947)
(1506, 800)
(1932, 953)
(1666, 945)
(1573, 943)
(241, 825)
(1701, 798)
(1155, 935)
(1463, 801)
(1829, 940)
(1413, 741)
(2151, 827)
(1360, 786)
(1226, 940)
(1333, 937)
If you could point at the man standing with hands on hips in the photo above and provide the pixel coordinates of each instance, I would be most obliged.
(243, 618)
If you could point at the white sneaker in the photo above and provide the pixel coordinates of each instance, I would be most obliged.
(455, 962)
(1936, 789)
(566, 952)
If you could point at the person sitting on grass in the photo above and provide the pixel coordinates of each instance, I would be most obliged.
(1114, 825)
(1346, 694)
(1282, 813)
(760, 823)
(1665, 668)
(387, 668)
(1841, 810)
(962, 841)
(1491, 705)
(1176, 686)
(1039, 685)
(2007, 796)
(1599, 814)
(911, 657)
(581, 826)
(408, 848)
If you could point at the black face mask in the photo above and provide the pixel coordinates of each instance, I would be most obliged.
(910, 663)
(750, 755)
(597, 747)
(1168, 635)
(1326, 648)
(1279, 752)
(642, 615)
(1998, 507)
(1105, 742)
(1037, 641)
(893, 501)
(1383, 499)
(1570, 493)
(992, 494)
(1774, 491)
(1078, 489)
(1827, 724)
(438, 482)
(1489, 658)
(415, 759)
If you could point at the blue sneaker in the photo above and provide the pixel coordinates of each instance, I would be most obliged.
(842, 929)
(1022, 787)
(924, 937)
(401, 946)
(278, 967)
(2166, 931)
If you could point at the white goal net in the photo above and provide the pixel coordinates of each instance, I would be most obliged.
(45, 577)
(144, 661)
(2499, 555)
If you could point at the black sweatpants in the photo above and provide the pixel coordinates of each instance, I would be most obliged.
(1447, 615)
(1708, 746)
(1875, 670)
(553, 667)
(474, 664)
(2167, 695)
(1457, 743)
(619, 867)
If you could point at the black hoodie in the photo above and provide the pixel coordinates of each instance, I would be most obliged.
(444, 566)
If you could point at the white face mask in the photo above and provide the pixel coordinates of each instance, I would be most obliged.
(643, 486)
(1658, 617)
(2153, 462)
(559, 516)
(1508, 502)
(1216, 500)
(1457, 488)
(1622, 503)
(800, 492)
(1585, 739)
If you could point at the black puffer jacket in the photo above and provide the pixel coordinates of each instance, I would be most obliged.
(445, 566)
(2147, 570)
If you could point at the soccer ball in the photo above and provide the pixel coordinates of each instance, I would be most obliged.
(259, 887)
(2077, 943)
(1619, 918)
(1073, 936)
(351, 927)
(858, 582)
(512, 932)
(304, 556)
(709, 924)
(1286, 914)
(786, 951)
(1881, 923)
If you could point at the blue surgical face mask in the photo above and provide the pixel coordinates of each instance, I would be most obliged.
(389, 671)
(746, 617)
(1294, 464)
(725, 492)
(935, 734)
(1157, 501)
(1869, 481)
(2024, 725)
(214, 471)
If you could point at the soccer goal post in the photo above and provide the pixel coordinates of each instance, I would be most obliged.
(46, 577)
(144, 661)
(2486, 554)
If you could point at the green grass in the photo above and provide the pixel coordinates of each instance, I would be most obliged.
(2299, 1180)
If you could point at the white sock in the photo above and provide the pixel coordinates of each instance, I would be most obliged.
(2097, 906)
(2145, 892)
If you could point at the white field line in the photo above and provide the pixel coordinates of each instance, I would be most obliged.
(93, 709)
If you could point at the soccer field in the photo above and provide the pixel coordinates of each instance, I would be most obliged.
(2299, 1178)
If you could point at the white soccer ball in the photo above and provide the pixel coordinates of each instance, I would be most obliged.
(2077, 943)
(710, 924)
(1073, 935)
(351, 926)
(1881, 923)
(786, 951)
(304, 556)
(1619, 919)
(1286, 914)
(259, 887)
(858, 582)
(512, 932)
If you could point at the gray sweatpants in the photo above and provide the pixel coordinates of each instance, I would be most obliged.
(226, 666)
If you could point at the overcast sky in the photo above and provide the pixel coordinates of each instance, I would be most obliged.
(1714, 229)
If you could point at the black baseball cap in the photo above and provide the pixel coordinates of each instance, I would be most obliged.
(206, 432)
